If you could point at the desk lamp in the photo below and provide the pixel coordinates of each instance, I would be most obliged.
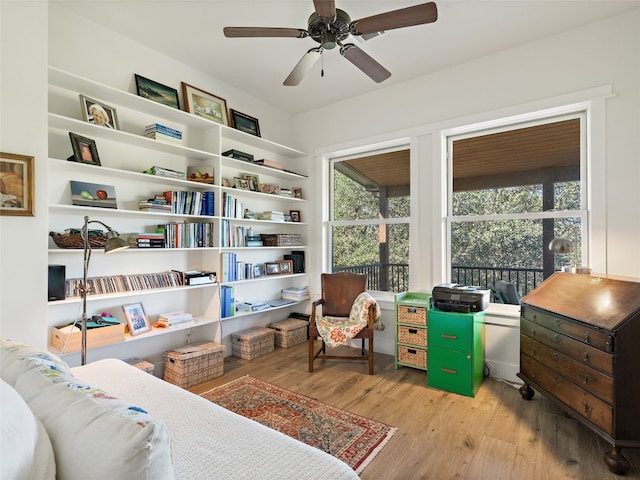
(564, 245)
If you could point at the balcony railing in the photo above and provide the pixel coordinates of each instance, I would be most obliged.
(395, 277)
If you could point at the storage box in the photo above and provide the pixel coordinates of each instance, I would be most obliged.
(412, 336)
(194, 364)
(411, 314)
(141, 363)
(412, 356)
(65, 342)
(252, 342)
(289, 332)
(281, 239)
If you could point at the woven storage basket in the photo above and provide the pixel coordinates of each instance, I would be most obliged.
(141, 364)
(413, 315)
(67, 240)
(412, 336)
(193, 364)
(252, 342)
(281, 239)
(289, 332)
(412, 356)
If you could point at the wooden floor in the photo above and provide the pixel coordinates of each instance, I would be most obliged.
(496, 435)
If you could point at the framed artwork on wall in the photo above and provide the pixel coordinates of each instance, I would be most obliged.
(244, 123)
(17, 188)
(205, 104)
(157, 92)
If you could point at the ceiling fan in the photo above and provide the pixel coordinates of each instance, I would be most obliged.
(330, 26)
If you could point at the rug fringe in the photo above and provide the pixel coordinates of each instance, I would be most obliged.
(375, 451)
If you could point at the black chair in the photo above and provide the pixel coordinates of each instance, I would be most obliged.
(506, 292)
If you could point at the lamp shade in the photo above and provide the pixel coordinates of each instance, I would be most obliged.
(561, 245)
(114, 242)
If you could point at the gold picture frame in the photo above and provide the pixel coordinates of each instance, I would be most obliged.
(205, 104)
(17, 185)
(137, 320)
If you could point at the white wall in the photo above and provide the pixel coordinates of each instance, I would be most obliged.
(23, 131)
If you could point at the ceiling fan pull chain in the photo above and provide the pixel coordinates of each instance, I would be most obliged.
(322, 65)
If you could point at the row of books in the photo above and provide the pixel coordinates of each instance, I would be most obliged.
(233, 235)
(188, 235)
(181, 202)
(227, 301)
(163, 133)
(165, 173)
(232, 207)
(232, 269)
(123, 283)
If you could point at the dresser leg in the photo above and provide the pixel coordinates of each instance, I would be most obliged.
(616, 462)
(527, 392)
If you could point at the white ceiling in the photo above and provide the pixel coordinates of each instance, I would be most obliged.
(191, 31)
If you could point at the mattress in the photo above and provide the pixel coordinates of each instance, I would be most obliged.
(209, 441)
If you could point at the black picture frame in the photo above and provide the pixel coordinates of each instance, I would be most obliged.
(98, 113)
(244, 123)
(157, 92)
(84, 150)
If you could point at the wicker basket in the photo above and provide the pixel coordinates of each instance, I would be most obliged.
(194, 364)
(68, 240)
(416, 357)
(281, 240)
(412, 336)
(412, 315)
(252, 342)
(289, 332)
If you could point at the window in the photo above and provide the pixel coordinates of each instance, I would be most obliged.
(511, 192)
(369, 218)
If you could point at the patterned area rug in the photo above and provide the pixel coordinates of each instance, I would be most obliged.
(353, 439)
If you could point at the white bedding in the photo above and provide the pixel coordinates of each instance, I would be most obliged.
(209, 441)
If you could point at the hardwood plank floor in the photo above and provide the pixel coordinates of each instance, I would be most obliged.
(496, 435)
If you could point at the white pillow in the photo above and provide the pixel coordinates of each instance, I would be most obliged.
(94, 435)
(26, 450)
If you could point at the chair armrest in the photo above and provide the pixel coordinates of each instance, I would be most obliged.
(312, 319)
(372, 314)
(318, 302)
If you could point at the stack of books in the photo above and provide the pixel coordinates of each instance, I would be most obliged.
(157, 204)
(296, 294)
(254, 306)
(254, 241)
(269, 163)
(271, 216)
(163, 133)
(197, 277)
(175, 319)
(165, 172)
(150, 240)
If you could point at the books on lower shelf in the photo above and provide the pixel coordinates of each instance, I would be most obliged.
(174, 319)
(181, 202)
(227, 301)
(296, 294)
(123, 283)
(163, 133)
(165, 172)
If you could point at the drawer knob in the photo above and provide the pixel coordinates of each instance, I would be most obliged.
(587, 338)
(413, 331)
(586, 378)
(557, 338)
(586, 356)
(449, 337)
(587, 407)
(556, 356)
(448, 370)
(533, 351)
(411, 310)
(533, 332)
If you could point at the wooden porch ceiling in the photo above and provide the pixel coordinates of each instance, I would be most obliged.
(522, 156)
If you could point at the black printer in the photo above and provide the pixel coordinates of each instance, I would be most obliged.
(452, 297)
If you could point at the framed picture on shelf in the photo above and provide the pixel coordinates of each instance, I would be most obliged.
(258, 270)
(296, 192)
(98, 113)
(254, 181)
(271, 188)
(244, 123)
(157, 92)
(272, 268)
(84, 194)
(136, 318)
(226, 182)
(241, 183)
(84, 150)
(295, 215)
(205, 104)
(17, 185)
(286, 266)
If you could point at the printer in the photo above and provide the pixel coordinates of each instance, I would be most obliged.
(452, 297)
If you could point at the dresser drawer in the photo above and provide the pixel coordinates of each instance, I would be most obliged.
(412, 336)
(414, 357)
(587, 378)
(583, 403)
(585, 354)
(412, 315)
(584, 333)
(451, 331)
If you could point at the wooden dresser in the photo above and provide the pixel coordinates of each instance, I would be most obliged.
(580, 346)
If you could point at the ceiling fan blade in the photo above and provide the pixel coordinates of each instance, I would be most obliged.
(325, 8)
(239, 32)
(302, 68)
(404, 17)
(364, 62)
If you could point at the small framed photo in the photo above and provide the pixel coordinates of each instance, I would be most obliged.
(241, 183)
(296, 192)
(258, 270)
(244, 123)
(136, 318)
(85, 194)
(286, 266)
(98, 113)
(295, 215)
(157, 92)
(270, 188)
(272, 268)
(84, 150)
(226, 182)
(204, 104)
(17, 185)
(254, 181)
